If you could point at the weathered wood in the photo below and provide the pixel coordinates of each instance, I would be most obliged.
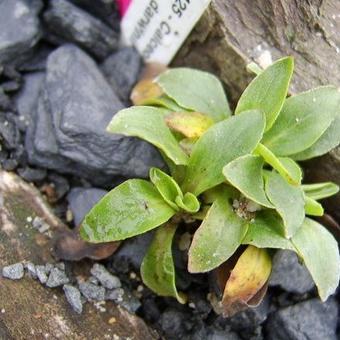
(31, 311)
(232, 33)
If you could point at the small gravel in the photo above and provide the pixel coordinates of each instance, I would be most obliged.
(91, 291)
(13, 272)
(30, 269)
(115, 295)
(108, 280)
(41, 273)
(40, 224)
(57, 278)
(73, 297)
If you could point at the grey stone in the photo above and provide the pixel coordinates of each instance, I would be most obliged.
(133, 250)
(13, 272)
(104, 9)
(31, 270)
(41, 273)
(92, 291)
(129, 302)
(9, 132)
(57, 278)
(172, 322)
(73, 297)
(32, 175)
(251, 318)
(81, 200)
(69, 132)
(309, 320)
(108, 280)
(26, 100)
(75, 25)
(289, 274)
(122, 70)
(5, 102)
(115, 295)
(215, 334)
(19, 27)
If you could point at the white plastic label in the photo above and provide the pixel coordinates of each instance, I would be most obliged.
(158, 28)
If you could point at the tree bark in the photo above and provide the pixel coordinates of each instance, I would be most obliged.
(27, 309)
(233, 33)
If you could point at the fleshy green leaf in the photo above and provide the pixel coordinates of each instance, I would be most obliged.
(268, 90)
(132, 208)
(319, 191)
(286, 167)
(245, 173)
(302, 120)
(313, 207)
(190, 124)
(217, 238)
(166, 186)
(188, 202)
(221, 144)
(163, 101)
(266, 232)
(196, 90)
(148, 123)
(328, 141)
(157, 269)
(319, 251)
(288, 200)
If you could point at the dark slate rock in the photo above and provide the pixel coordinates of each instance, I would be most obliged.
(9, 132)
(215, 334)
(133, 251)
(251, 318)
(75, 25)
(31, 174)
(73, 111)
(289, 274)
(309, 320)
(13, 272)
(73, 297)
(26, 100)
(60, 183)
(172, 322)
(57, 278)
(37, 62)
(104, 9)
(81, 200)
(5, 102)
(11, 86)
(129, 302)
(19, 27)
(122, 70)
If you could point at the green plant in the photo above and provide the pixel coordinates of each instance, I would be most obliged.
(235, 174)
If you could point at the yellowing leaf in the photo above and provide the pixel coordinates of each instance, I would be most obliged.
(145, 90)
(247, 278)
(148, 123)
(190, 124)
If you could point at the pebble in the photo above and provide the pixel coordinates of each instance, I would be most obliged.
(13, 272)
(40, 224)
(41, 273)
(108, 280)
(92, 291)
(115, 295)
(73, 297)
(57, 278)
(31, 270)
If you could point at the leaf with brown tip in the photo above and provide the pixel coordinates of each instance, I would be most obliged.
(246, 284)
